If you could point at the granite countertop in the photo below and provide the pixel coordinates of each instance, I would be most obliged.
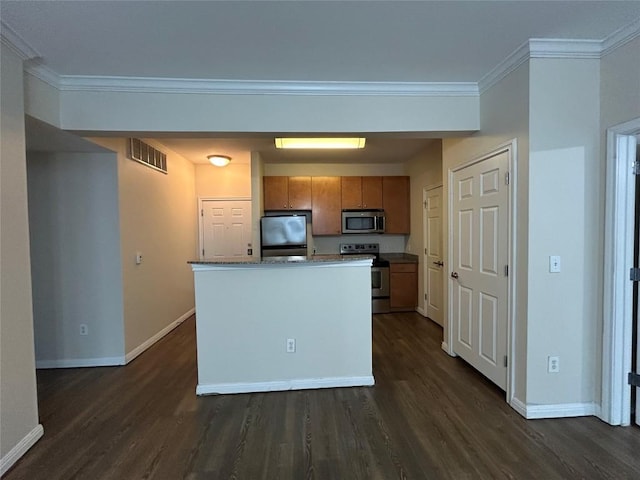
(280, 260)
(399, 257)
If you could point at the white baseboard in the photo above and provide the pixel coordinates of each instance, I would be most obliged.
(445, 346)
(283, 385)
(519, 406)
(143, 346)
(421, 311)
(113, 361)
(81, 362)
(20, 449)
(559, 410)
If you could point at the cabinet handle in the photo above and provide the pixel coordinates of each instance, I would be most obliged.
(284, 206)
(439, 263)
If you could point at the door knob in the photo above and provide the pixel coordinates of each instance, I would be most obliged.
(454, 274)
(439, 263)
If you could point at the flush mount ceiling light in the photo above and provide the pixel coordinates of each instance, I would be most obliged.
(219, 160)
(320, 142)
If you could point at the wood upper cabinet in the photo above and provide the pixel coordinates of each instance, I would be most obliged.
(327, 196)
(361, 192)
(287, 193)
(326, 210)
(395, 201)
(403, 286)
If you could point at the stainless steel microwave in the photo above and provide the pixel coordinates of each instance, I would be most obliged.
(362, 221)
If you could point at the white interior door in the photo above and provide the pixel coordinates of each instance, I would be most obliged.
(478, 283)
(433, 264)
(225, 228)
(636, 294)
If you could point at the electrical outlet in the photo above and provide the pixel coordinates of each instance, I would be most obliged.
(84, 329)
(554, 264)
(291, 345)
(553, 364)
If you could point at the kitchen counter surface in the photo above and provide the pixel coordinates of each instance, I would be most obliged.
(281, 260)
(399, 257)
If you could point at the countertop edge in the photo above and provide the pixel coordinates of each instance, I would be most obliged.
(254, 262)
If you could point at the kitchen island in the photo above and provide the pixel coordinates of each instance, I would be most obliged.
(252, 312)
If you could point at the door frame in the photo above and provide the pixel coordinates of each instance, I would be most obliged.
(618, 258)
(511, 149)
(425, 232)
(199, 213)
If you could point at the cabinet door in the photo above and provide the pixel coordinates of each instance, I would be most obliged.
(351, 192)
(403, 286)
(276, 193)
(395, 199)
(300, 193)
(326, 200)
(371, 192)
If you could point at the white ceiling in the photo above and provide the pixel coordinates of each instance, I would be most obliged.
(360, 41)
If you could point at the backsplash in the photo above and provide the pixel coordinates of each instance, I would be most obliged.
(388, 243)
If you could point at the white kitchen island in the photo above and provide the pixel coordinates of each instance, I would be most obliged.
(248, 310)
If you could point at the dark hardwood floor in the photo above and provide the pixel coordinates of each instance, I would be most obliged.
(428, 417)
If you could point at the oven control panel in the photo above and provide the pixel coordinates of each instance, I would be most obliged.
(359, 248)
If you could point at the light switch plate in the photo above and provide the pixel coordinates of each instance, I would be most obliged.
(554, 264)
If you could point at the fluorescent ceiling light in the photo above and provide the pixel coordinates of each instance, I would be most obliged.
(320, 142)
(219, 160)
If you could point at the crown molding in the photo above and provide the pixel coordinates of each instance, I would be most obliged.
(247, 87)
(621, 37)
(558, 48)
(16, 43)
(43, 73)
(504, 68)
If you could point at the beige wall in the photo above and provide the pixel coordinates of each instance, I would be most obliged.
(425, 170)
(559, 212)
(257, 207)
(75, 254)
(504, 116)
(232, 181)
(620, 86)
(157, 218)
(566, 200)
(19, 412)
(211, 112)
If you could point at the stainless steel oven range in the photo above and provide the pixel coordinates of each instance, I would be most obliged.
(379, 273)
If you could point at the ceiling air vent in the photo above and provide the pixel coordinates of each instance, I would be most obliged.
(146, 154)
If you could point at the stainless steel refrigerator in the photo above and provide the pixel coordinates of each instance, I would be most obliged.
(283, 235)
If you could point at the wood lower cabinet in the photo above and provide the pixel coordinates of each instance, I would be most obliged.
(395, 200)
(287, 193)
(361, 192)
(326, 210)
(403, 286)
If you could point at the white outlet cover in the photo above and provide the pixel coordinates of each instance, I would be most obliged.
(554, 264)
